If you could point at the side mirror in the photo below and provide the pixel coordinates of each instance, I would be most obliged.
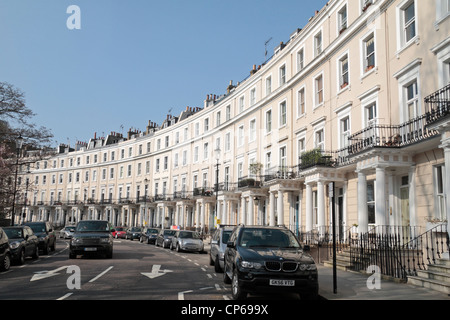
(113, 230)
(230, 244)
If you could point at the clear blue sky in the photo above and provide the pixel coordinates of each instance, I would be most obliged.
(133, 60)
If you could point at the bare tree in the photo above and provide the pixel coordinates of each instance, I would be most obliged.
(15, 121)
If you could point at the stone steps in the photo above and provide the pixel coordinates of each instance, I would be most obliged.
(437, 277)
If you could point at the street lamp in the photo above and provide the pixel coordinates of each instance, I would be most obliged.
(217, 155)
(19, 143)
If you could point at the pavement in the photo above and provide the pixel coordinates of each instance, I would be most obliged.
(354, 286)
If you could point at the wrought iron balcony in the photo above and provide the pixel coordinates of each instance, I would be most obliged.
(438, 105)
(391, 136)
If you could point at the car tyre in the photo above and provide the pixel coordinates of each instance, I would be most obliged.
(36, 253)
(236, 292)
(21, 259)
(178, 247)
(6, 263)
(226, 278)
(217, 267)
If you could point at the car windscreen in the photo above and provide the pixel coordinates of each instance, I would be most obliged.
(188, 235)
(152, 231)
(14, 233)
(88, 226)
(135, 230)
(226, 235)
(37, 228)
(256, 237)
(169, 232)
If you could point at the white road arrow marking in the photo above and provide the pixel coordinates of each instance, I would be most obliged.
(47, 274)
(156, 272)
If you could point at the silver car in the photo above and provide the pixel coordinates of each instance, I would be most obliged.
(218, 245)
(185, 240)
(67, 232)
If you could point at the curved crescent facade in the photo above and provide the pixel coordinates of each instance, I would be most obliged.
(359, 98)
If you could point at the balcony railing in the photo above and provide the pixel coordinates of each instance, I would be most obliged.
(438, 105)
(391, 136)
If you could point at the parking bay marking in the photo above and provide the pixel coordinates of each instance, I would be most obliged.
(156, 272)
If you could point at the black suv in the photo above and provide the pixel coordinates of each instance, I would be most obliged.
(92, 237)
(268, 259)
(5, 252)
(46, 235)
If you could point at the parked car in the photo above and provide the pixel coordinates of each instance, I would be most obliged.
(133, 233)
(218, 243)
(67, 232)
(23, 243)
(184, 240)
(46, 235)
(268, 259)
(119, 232)
(164, 238)
(92, 237)
(149, 235)
(5, 252)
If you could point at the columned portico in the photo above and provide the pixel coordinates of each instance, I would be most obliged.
(363, 217)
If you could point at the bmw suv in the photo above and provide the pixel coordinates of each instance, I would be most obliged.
(268, 259)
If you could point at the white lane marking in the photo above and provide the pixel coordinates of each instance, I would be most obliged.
(101, 274)
(65, 296)
(181, 294)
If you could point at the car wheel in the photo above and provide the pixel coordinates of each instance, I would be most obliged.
(72, 255)
(21, 259)
(178, 247)
(54, 245)
(171, 246)
(6, 263)
(236, 291)
(211, 261)
(36, 253)
(226, 278)
(46, 248)
(217, 267)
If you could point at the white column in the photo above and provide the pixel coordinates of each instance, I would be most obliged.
(197, 216)
(250, 215)
(272, 209)
(203, 213)
(225, 212)
(363, 218)
(412, 196)
(280, 207)
(447, 181)
(242, 217)
(309, 208)
(380, 197)
(320, 206)
(391, 200)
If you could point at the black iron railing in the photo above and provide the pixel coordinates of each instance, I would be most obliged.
(438, 105)
(391, 136)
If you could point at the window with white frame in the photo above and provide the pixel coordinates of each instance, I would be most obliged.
(282, 75)
(407, 22)
(300, 59)
(240, 170)
(370, 114)
(218, 119)
(268, 161)
(196, 154)
(205, 151)
(253, 96)
(228, 141)
(228, 113)
(241, 103)
(184, 157)
(301, 145)
(252, 136)
(412, 100)
(439, 185)
(344, 127)
(343, 72)
(319, 139)
(206, 125)
(241, 136)
(197, 129)
(283, 158)
(268, 85)
(342, 19)
(365, 4)
(301, 107)
(318, 90)
(318, 44)
(283, 114)
(369, 53)
(442, 9)
(268, 121)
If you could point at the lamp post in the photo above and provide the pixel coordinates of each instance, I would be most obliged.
(217, 155)
(19, 143)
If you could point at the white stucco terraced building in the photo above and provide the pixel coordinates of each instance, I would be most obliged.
(359, 97)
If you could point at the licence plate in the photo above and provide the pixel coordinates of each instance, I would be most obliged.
(282, 283)
(90, 249)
